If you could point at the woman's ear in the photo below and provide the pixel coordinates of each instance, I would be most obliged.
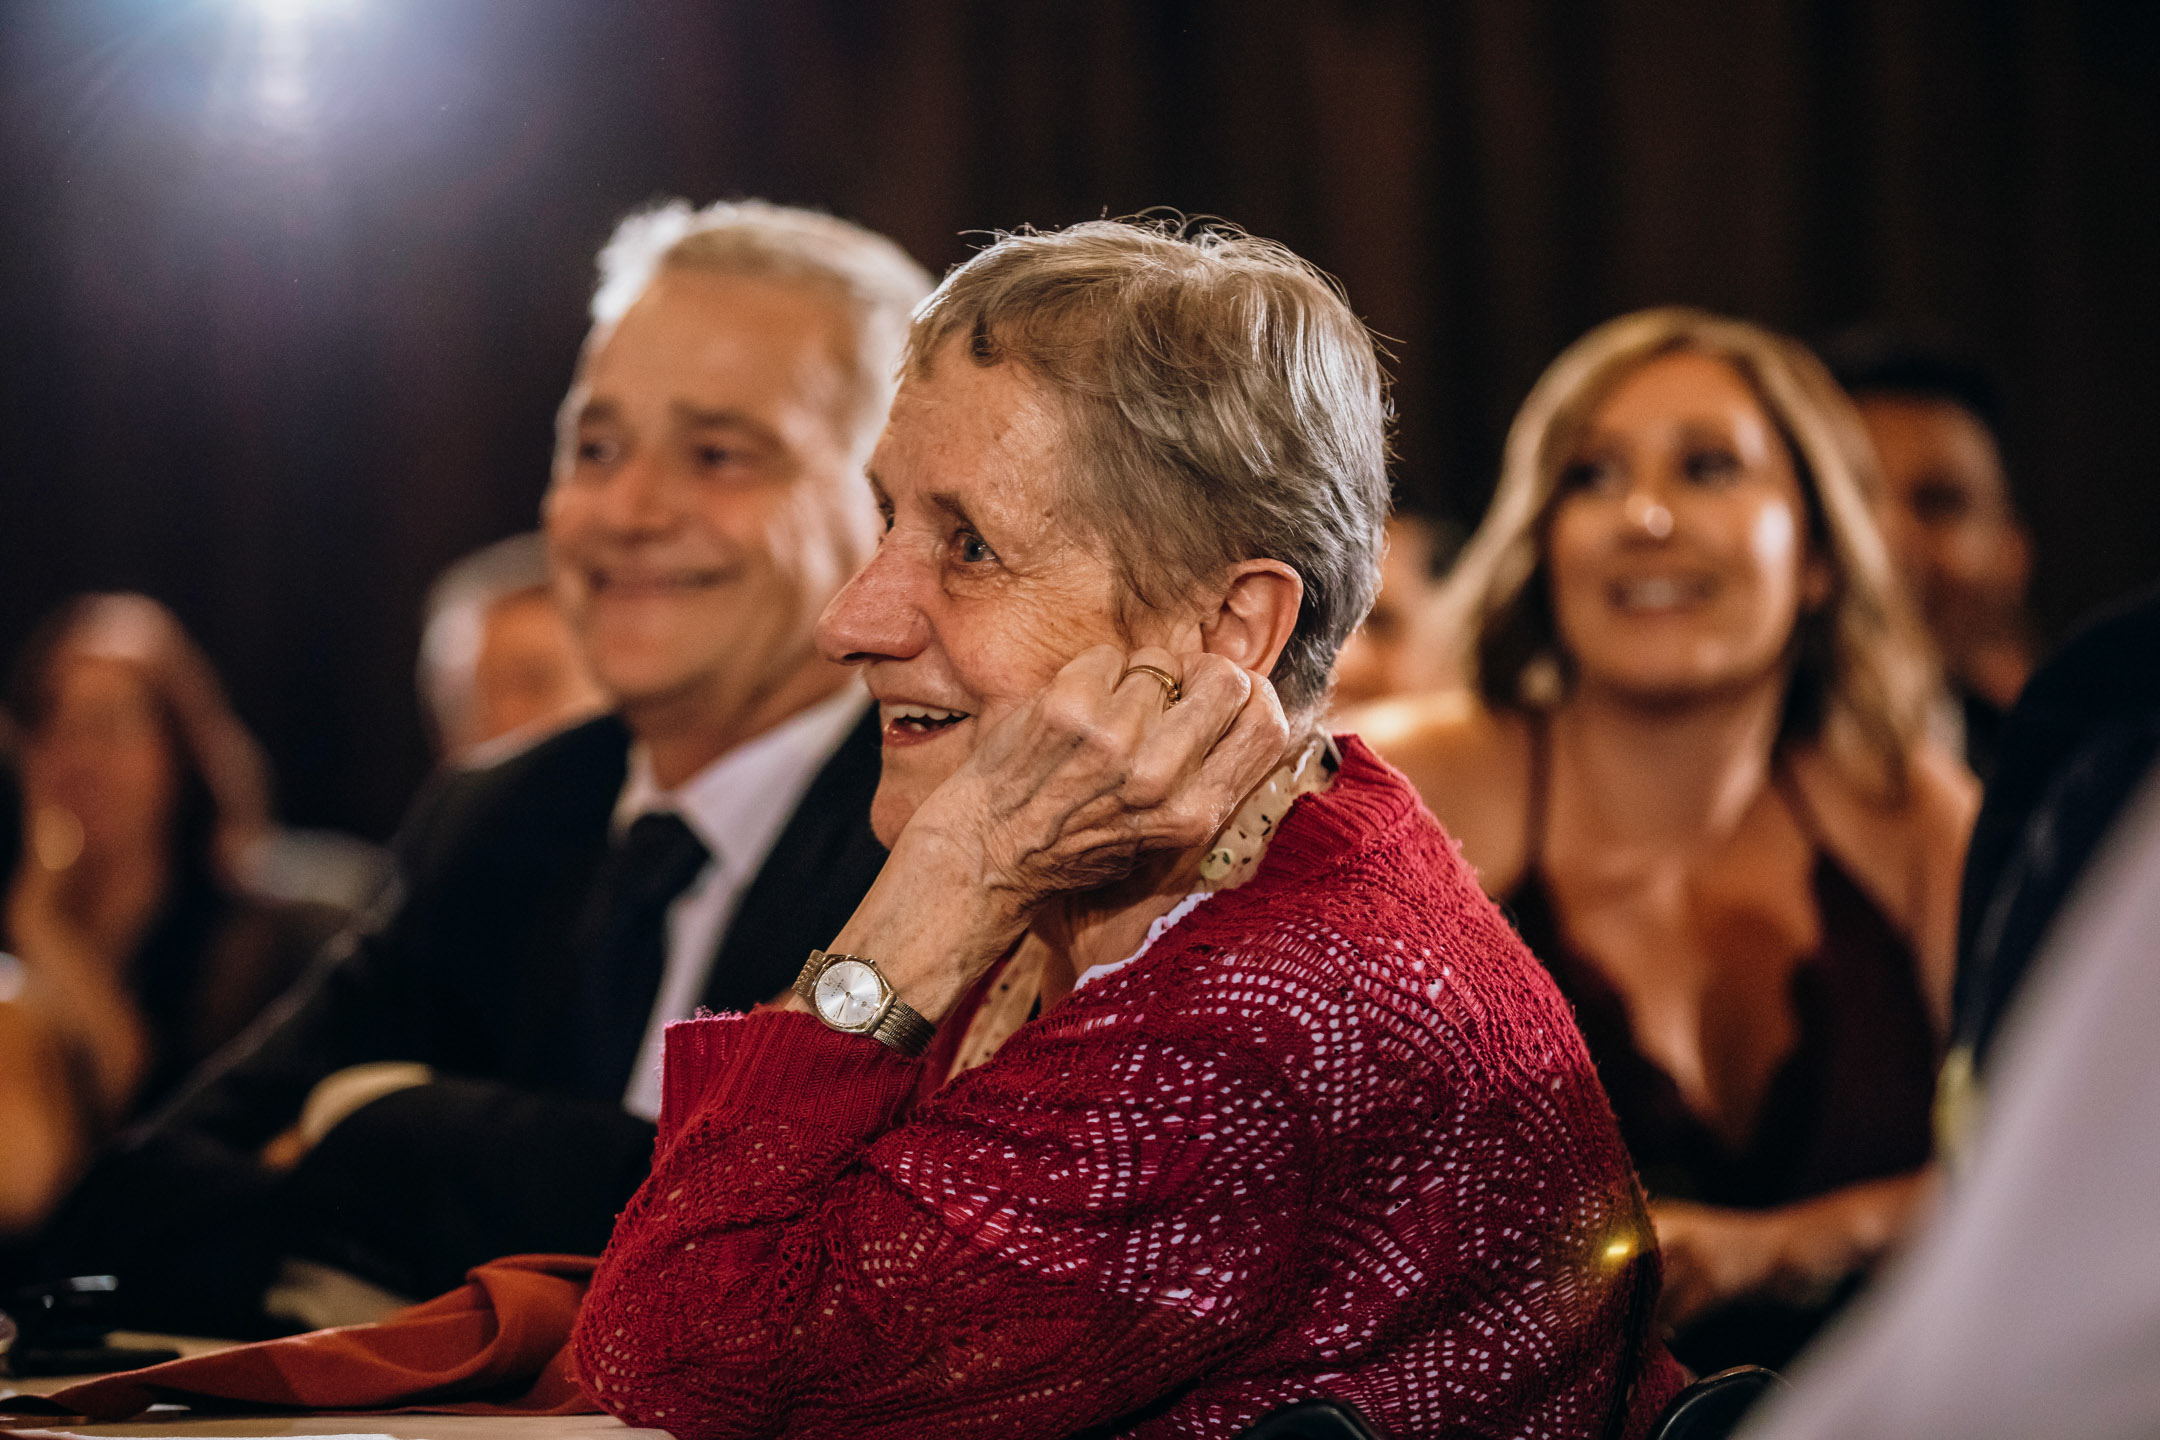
(1258, 611)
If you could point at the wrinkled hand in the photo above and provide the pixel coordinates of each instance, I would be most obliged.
(1099, 773)
(1069, 795)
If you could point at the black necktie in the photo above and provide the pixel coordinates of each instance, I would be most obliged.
(625, 949)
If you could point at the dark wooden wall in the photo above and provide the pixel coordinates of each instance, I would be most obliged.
(284, 313)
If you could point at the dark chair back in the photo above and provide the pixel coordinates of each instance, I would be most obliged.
(1712, 1407)
(1313, 1420)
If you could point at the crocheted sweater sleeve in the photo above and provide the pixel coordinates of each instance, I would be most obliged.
(801, 1262)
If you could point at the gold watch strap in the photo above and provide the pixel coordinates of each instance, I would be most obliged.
(903, 1027)
(806, 982)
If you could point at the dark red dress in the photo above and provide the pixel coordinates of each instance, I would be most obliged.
(1850, 1103)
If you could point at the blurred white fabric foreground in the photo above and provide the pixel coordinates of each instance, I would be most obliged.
(2032, 1304)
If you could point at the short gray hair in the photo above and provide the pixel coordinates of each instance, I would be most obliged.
(874, 281)
(1224, 401)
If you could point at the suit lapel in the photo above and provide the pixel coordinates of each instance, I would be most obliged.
(559, 842)
(817, 873)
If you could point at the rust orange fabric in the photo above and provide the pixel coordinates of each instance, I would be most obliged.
(497, 1345)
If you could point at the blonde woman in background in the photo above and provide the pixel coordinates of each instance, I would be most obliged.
(1691, 761)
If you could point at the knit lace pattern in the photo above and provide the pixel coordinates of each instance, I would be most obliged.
(1334, 1133)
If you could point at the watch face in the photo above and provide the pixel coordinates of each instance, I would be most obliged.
(849, 994)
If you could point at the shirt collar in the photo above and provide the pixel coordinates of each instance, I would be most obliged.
(738, 804)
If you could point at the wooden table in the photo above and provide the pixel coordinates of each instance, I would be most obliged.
(177, 1424)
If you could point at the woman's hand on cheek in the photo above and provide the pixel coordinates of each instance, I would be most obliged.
(1101, 772)
(1066, 795)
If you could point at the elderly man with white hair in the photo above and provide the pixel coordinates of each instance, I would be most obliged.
(477, 1072)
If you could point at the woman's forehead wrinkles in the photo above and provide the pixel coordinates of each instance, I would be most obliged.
(1016, 506)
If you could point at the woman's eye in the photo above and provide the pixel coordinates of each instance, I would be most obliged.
(1590, 476)
(598, 452)
(712, 457)
(971, 548)
(1711, 467)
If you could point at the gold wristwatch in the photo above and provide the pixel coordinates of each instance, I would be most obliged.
(849, 995)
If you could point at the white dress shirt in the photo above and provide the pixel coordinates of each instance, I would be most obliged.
(737, 805)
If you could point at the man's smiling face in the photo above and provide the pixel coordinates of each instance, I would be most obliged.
(708, 498)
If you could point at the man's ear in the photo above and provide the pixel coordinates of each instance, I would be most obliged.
(1259, 609)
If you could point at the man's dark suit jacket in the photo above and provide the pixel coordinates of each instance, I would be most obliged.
(2073, 752)
(469, 967)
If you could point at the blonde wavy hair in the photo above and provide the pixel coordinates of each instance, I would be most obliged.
(1862, 674)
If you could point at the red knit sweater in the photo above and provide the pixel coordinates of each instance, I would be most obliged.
(1333, 1133)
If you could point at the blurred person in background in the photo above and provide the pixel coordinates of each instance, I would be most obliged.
(1387, 655)
(2084, 730)
(1947, 511)
(474, 1072)
(499, 667)
(1694, 767)
(138, 946)
(2031, 1304)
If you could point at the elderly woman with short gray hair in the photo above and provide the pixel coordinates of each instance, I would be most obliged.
(1175, 1068)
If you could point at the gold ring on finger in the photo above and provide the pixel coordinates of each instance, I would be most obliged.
(1172, 691)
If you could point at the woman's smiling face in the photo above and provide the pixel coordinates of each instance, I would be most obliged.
(1678, 552)
(983, 587)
